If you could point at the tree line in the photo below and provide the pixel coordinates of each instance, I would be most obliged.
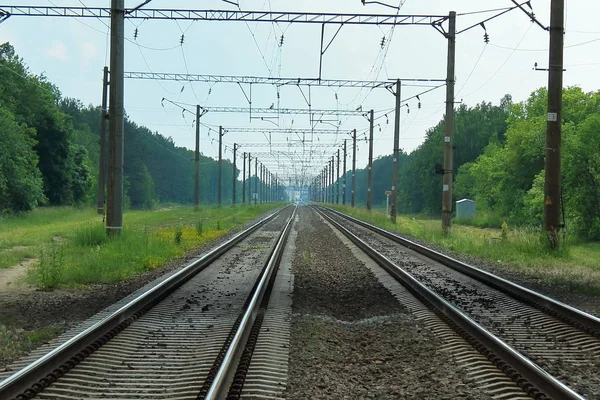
(499, 162)
(49, 155)
(49, 151)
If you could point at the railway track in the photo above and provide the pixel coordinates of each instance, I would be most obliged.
(530, 337)
(190, 336)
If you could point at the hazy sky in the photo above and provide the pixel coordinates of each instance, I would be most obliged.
(72, 52)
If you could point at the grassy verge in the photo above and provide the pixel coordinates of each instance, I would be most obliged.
(73, 249)
(576, 266)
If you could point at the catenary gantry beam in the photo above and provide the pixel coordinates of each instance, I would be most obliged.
(227, 15)
(292, 111)
(289, 130)
(291, 144)
(262, 80)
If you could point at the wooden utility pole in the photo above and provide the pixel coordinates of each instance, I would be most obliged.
(220, 170)
(394, 185)
(331, 194)
(552, 186)
(344, 183)
(244, 180)
(197, 162)
(114, 204)
(449, 129)
(249, 178)
(370, 166)
(337, 184)
(353, 167)
(324, 185)
(103, 150)
(235, 147)
(255, 180)
(262, 184)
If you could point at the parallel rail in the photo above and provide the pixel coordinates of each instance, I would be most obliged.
(573, 316)
(221, 386)
(534, 380)
(32, 379)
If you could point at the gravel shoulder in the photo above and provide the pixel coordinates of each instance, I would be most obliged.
(556, 290)
(30, 318)
(351, 338)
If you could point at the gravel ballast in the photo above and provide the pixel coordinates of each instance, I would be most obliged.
(351, 338)
(29, 312)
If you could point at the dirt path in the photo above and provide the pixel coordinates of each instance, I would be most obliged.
(11, 279)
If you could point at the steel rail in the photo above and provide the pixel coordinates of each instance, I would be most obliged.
(537, 380)
(39, 373)
(571, 315)
(222, 382)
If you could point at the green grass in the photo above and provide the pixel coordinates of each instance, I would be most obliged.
(73, 249)
(576, 265)
(42, 335)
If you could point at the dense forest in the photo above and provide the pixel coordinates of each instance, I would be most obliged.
(49, 151)
(499, 162)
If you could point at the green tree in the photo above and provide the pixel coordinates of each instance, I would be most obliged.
(20, 180)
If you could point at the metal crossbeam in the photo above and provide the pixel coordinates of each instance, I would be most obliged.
(258, 80)
(310, 145)
(282, 111)
(289, 130)
(228, 15)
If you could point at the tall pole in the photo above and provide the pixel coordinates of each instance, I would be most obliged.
(249, 178)
(235, 147)
(114, 203)
(344, 183)
(353, 168)
(449, 136)
(324, 185)
(271, 185)
(197, 162)
(337, 185)
(394, 185)
(370, 166)
(331, 180)
(255, 180)
(276, 188)
(244, 180)
(552, 186)
(103, 164)
(220, 170)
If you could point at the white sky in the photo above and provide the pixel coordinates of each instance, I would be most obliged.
(72, 52)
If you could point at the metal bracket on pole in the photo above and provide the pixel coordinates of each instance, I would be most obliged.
(322, 52)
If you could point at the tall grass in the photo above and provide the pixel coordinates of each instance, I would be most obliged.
(576, 265)
(86, 255)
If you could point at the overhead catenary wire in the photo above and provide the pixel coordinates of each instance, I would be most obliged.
(495, 74)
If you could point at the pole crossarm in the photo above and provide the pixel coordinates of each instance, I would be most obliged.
(348, 113)
(227, 15)
(259, 80)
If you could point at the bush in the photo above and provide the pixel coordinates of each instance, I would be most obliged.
(50, 266)
(199, 228)
(594, 232)
(178, 235)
